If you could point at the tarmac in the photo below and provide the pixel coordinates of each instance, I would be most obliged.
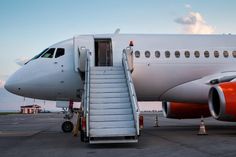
(41, 136)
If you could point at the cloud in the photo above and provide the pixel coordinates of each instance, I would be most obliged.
(2, 83)
(194, 23)
(190, 19)
(22, 60)
(188, 6)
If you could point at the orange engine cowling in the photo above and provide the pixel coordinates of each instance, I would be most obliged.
(185, 110)
(222, 101)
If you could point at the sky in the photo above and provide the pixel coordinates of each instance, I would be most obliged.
(29, 26)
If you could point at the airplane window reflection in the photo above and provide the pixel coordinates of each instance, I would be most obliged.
(49, 53)
(137, 54)
(60, 52)
(187, 54)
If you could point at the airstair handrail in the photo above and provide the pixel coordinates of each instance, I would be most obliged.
(132, 93)
(87, 91)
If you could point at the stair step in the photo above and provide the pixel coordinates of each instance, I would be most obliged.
(110, 111)
(112, 132)
(109, 95)
(111, 140)
(118, 124)
(109, 100)
(110, 106)
(109, 90)
(107, 76)
(107, 68)
(109, 118)
(106, 81)
(108, 85)
(107, 72)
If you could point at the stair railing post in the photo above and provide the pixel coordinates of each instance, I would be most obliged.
(129, 58)
(86, 99)
(88, 92)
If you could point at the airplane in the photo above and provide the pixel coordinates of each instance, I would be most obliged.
(193, 76)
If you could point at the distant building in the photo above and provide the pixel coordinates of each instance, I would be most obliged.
(30, 109)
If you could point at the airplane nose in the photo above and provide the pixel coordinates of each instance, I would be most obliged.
(7, 87)
(12, 86)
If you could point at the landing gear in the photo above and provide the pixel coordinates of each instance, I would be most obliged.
(67, 126)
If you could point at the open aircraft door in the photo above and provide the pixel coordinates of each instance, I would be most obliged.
(82, 45)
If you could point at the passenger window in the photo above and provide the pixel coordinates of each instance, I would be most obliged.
(157, 54)
(226, 54)
(167, 54)
(147, 54)
(49, 53)
(207, 54)
(234, 54)
(177, 54)
(187, 54)
(137, 54)
(60, 52)
(216, 54)
(197, 54)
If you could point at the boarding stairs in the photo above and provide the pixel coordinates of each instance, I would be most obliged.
(110, 104)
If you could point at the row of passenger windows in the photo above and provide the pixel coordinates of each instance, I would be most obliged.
(187, 54)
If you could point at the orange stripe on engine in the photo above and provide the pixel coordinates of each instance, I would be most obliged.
(189, 110)
(229, 90)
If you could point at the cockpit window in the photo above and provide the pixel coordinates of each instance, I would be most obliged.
(49, 53)
(60, 52)
(38, 55)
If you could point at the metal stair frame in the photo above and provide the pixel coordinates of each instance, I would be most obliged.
(128, 67)
(86, 96)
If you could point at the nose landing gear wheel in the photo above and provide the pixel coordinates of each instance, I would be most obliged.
(67, 126)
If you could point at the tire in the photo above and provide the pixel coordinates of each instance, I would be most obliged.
(67, 126)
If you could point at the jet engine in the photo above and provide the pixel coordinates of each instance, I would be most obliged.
(222, 101)
(185, 110)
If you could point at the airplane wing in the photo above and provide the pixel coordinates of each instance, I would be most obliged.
(197, 91)
(211, 95)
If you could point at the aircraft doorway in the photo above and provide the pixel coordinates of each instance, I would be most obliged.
(103, 52)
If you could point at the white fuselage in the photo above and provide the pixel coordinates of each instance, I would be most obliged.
(155, 78)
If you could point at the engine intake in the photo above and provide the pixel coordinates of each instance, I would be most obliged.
(185, 110)
(222, 101)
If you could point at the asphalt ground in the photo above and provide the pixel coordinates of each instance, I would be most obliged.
(41, 136)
